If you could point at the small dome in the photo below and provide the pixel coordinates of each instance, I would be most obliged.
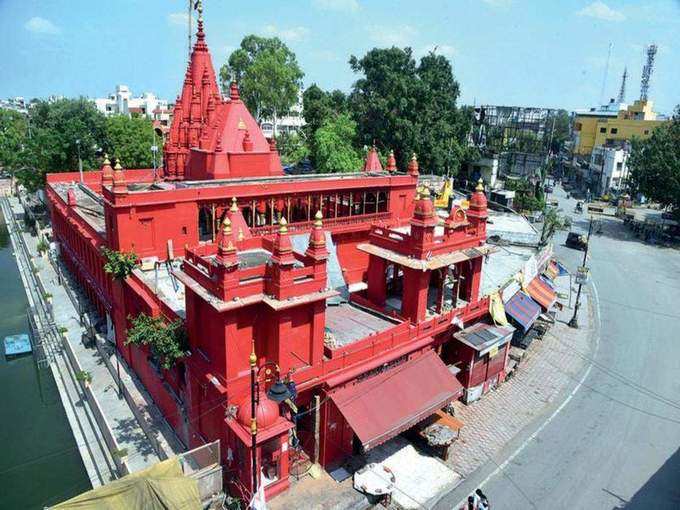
(266, 412)
(478, 199)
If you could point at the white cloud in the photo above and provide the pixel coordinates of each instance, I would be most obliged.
(337, 5)
(41, 26)
(178, 18)
(440, 49)
(287, 34)
(392, 35)
(498, 3)
(601, 10)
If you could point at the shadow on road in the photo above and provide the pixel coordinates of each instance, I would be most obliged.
(661, 491)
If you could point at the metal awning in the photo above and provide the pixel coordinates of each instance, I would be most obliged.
(523, 310)
(541, 292)
(485, 338)
(387, 404)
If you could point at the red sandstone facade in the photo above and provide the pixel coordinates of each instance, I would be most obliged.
(336, 279)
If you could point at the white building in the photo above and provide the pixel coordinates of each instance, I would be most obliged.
(611, 163)
(122, 102)
(293, 121)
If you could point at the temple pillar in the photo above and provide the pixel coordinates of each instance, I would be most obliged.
(475, 278)
(377, 281)
(414, 298)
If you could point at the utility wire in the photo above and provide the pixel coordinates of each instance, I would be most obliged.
(615, 400)
(621, 378)
(506, 475)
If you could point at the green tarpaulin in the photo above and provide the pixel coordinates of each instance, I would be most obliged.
(160, 487)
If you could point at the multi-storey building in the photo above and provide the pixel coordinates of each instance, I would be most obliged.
(343, 289)
(613, 122)
(122, 102)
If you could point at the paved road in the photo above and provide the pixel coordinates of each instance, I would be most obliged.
(616, 444)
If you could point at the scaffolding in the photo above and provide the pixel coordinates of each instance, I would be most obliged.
(520, 135)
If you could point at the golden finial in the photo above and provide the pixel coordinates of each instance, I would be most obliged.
(199, 8)
(426, 192)
(253, 356)
(226, 226)
(106, 159)
(234, 207)
(480, 185)
(283, 229)
(317, 219)
(118, 167)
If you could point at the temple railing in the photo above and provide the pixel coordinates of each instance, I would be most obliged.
(344, 221)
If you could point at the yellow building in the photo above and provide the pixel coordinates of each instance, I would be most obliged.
(597, 127)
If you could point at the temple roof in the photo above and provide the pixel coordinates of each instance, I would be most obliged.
(204, 122)
(372, 163)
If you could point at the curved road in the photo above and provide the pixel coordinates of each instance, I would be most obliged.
(616, 443)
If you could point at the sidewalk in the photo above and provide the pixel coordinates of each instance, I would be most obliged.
(548, 368)
(140, 436)
(94, 452)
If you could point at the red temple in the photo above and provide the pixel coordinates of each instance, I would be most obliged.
(347, 285)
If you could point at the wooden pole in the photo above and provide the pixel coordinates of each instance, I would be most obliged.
(317, 427)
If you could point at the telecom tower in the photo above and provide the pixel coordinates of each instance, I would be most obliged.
(647, 71)
(622, 90)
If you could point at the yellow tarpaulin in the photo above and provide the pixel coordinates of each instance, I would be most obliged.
(160, 487)
(497, 310)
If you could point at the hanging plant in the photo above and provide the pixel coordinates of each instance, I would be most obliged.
(118, 263)
(167, 340)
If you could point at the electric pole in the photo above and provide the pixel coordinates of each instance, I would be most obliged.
(573, 323)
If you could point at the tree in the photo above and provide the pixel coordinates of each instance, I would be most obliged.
(561, 131)
(119, 264)
(292, 148)
(268, 75)
(319, 107)
(334, 142)
(384, 101)
(655, 165)
(13, 137)
(552, 221)
(61, 130)
(129, 139)
(410, 107)
(168, 341)
(525, 195)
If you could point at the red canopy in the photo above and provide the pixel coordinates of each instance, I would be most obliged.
(387, 404)
(541, 292)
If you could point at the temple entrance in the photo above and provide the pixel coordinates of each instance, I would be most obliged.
(205, 224)
(394, 277)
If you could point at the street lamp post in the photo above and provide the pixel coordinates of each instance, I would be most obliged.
(80, 161)
(573, 323)
(277, 392)
(154, 150)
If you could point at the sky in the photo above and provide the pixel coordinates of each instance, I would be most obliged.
(545, 53)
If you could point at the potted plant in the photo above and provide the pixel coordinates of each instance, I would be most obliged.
(84, 377)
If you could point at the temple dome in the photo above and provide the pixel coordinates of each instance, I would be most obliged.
(266, 412)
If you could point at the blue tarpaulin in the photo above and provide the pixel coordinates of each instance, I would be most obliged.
(523, 310)
(562, 270)
(17, 344)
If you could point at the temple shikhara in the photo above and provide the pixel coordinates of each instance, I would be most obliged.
(347, 295)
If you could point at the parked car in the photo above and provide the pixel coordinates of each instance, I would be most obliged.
(576, 241)
(547, 188)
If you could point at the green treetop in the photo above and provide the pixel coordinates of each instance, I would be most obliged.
(268, 75)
